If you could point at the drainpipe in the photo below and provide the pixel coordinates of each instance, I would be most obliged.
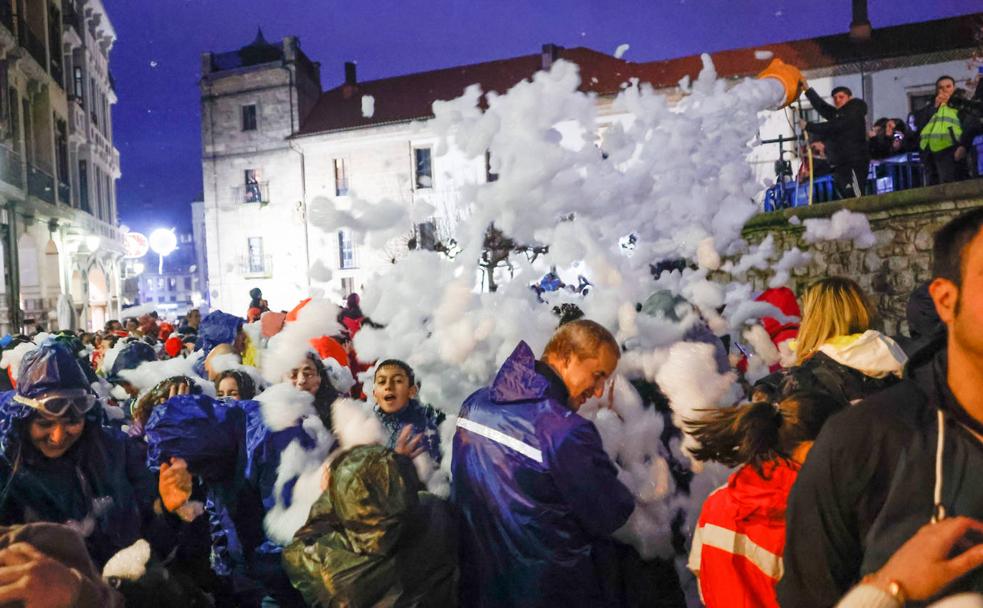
(13, 295)
(303, 176)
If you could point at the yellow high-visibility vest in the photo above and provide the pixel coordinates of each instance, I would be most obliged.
(938, 134)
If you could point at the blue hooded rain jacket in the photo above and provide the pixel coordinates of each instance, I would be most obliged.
(536, 492)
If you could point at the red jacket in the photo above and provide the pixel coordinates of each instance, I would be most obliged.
(740, 536)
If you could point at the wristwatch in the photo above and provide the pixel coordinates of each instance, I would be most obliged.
(892, 587)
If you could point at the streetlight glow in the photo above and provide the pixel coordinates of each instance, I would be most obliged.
(163, 241)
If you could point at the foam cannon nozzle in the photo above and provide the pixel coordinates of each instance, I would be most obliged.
(788, 76)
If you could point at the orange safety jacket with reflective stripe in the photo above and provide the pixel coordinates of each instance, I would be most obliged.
(740, 536)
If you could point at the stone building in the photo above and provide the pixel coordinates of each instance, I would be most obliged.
(61, 246)
(276, 148)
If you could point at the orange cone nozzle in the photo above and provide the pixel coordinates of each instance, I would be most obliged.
(788, 75)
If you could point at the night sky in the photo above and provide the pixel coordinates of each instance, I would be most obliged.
(156, 59)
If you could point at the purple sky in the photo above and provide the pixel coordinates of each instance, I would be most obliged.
(156, 58)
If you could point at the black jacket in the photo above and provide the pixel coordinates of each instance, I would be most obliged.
(844, 132)
(867, 485)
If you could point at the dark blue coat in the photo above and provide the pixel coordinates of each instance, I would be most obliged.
(236, 456)
(536, 493)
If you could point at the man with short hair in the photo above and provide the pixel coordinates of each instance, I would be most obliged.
(908, 455)
(535, 489)
(939, 127)
(845, 134)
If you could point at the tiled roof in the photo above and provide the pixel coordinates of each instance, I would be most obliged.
(409, 97)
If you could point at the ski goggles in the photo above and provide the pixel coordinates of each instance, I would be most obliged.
(77, 402)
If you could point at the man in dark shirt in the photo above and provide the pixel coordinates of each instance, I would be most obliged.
(876, 473)
(845, 134)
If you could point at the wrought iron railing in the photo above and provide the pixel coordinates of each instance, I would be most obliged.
(256, 266)
(11, 168)
(64, 193)
(40, 184)
(256, 192)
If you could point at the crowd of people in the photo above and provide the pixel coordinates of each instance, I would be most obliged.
(236, 463)
(942, 133)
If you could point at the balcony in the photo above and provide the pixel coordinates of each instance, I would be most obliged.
(11, 169)
(33, 43)
(257, 192)
(256, 267)
(40, 184)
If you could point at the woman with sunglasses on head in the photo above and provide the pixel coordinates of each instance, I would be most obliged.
(58, 464)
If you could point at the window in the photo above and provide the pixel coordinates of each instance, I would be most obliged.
(340, 177)
(160, 283)
(98, 177)
(172, 283)
(423, 174)
(917, 101)
(84, 186)
(253, 191)
(347, 285)
(249, 117)
(92, 104)
(346, 250)
(187, 283)
(254, 254)
(77, 80)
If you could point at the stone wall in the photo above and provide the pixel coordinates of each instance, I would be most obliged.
(904, 224)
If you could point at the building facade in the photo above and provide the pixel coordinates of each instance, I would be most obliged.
(277, 148)
(58, 167)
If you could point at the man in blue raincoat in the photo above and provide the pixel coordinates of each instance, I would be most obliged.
(537, 494)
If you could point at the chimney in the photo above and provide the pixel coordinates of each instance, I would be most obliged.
(551, 53)
(860, 25)
(350, 85)
(206, 64)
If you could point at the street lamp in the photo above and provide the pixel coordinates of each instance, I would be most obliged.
(163, 242)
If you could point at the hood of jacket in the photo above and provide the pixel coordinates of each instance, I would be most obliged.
(517, 380)
(371, 491)
(871, 353)
(46, 370)
(761, 495)
(217, 328)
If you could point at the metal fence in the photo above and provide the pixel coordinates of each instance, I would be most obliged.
(40, 184)
(11, 168)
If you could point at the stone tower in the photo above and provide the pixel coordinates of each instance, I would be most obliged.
(252, 101)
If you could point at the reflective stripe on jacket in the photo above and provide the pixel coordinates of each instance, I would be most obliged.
(942, 131)
(536, 493)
